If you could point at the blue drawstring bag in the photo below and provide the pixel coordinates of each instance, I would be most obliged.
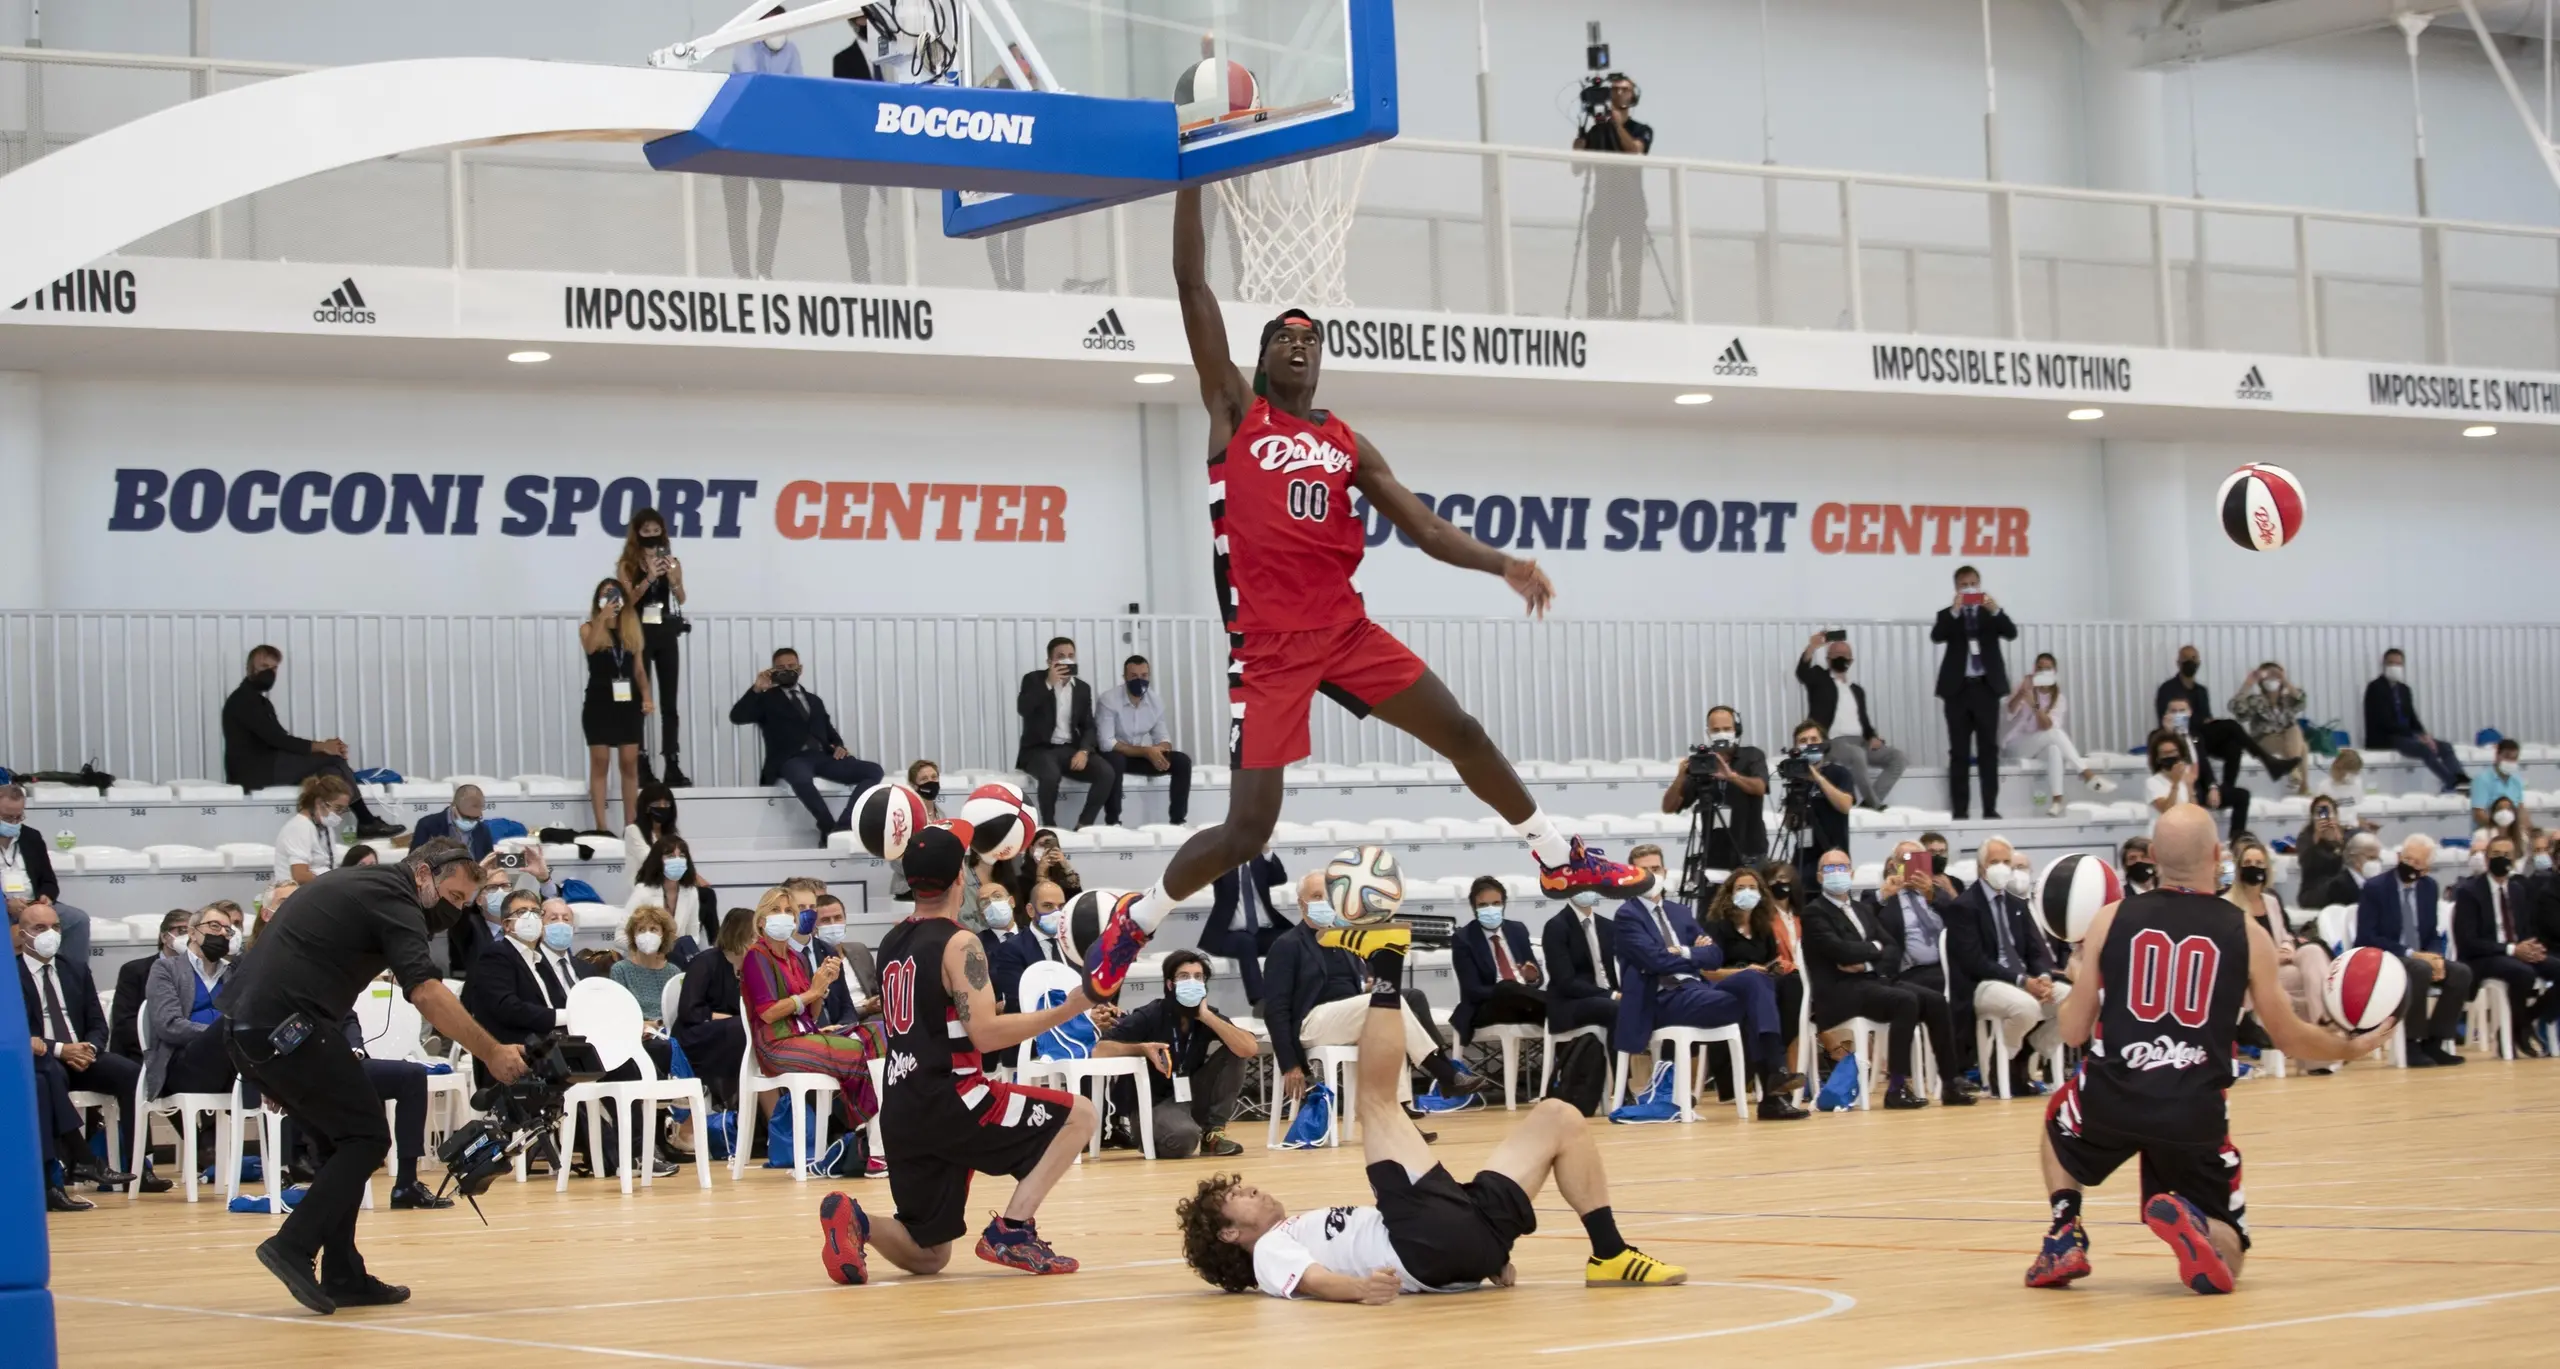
(1314, 1120)
(721, 1134)
(1653, 1105)
(503, 829)
(1840, 1091)
(379, 775)
(1073, 1039)
(780, 1152)
(579, 891)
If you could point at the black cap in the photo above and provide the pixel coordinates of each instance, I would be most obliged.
(933, 861)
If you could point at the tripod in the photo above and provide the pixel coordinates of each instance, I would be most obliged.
(1581, 233)
(1795, 824)
(1707, 821)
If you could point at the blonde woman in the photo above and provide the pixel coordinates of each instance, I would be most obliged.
(617, 698)
(2301, 965)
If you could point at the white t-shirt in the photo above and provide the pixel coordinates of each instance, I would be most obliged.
(1350, 1241)
(303, 842)
(1849, 720)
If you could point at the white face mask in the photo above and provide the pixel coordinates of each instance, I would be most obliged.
(774, 43)
(647, 943)
(2507, 768)
(2022, 881)
(2370, 868)
(2504, 817)
(527, 927)
(45, 943)
(2395, 674)
(2046, 679)
(1720, 739)
(778, 925)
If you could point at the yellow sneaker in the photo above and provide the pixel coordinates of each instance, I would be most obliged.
(1360, 941)
(1630, 1266)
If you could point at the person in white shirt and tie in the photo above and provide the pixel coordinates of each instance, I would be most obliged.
(2001, 964)
(70, 1044)
(801, 743)
(520, 988)
(1677, 978)
(2493, 933)
(2396, 912)
(1582, 966)
(1035, 941)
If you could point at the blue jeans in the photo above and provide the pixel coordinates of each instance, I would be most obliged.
(2437, 757)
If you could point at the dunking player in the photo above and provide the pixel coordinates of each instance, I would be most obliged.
(2160, 977)
(1428, 1233)
(941, 1119)
(1281, 473)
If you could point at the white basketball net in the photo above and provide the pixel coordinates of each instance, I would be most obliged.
(1294, 223)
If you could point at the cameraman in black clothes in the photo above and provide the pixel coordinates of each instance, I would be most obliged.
(281, 1005)
(1728, 782)
(1818, 797)
(1616, 224)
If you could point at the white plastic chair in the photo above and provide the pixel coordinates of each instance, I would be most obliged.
(1991, 1044)
(1338, 1066)
(1684, 1040)
(2490, 1010)
(803, 1090)
(1086, 1074)
(608, 1016)
(1511, 1034)
(230, 1116)
(394, 1030)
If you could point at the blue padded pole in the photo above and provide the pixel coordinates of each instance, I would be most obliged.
(26, 1308)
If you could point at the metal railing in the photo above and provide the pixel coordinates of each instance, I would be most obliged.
(1442, 225)
(141, 694)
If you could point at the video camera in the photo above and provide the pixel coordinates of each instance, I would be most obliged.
(516, 1115)
(1597, 78)
(1795, 766)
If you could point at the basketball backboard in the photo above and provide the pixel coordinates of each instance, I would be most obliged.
(1029, 110)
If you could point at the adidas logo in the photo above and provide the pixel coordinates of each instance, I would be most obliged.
(1733, 361)
(344, 305)
(2254, 386)
(1106, 335)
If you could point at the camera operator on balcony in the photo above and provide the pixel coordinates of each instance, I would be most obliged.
(1721, 785)
(1613, 199)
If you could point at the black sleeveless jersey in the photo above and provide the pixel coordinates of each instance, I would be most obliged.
(2176, 970)
(932, 1078)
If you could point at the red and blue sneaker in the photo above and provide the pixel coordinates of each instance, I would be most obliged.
(1585, 870)
(2065, 1257)
(1020, 1247)
(1109, 950)
(846, 1228)
(2177, 1221)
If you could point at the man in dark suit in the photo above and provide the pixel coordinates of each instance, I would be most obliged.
(1320, 997)
(459, 820)
(1243, 920)
(1910, 910)
(2396, 911)
(1849, 957)
(26, 874)
(1499, 982)
(519, 989)
(1872, 762)
(2493, 931)
(801, 744)
(257, 752)
(1972, 680)
(133, 978)
(1034, 941)
(1672, 968)
(2391, 724)
(1582, 967)
(1059, 738)
(1999, 965)
(70, 1031)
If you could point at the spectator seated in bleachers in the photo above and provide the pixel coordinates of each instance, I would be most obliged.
(1754, 931)
(2302, 963)
(1849, 958)
(2397, 912)
(2344, 787)
(69, 1032)
(1243, 920)
(1186, 1039)
(134, 976)
(2494, 934)
(27, 877)
(1129, 722)
(1582, 966)
(308, 845)
(657, 819)
(2036, 721)
(1034, 939)
(644, 973)
(1676, 977)
(258, 753)
(1048, 860)
(2498, 780)
(782, 998)
(707, 1023)
(1947, 885)
(187, 1055)
(459, 820)
(2269, 709)
(2212, 739)
(2181, 773)
(801, 743)
(2001, 966)
(1499, 981)
(1319, 994)
(2391, 723)
(668, 879)
(2320, 857)
(2507, 818)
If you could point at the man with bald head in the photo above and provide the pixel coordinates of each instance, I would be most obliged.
(2000, 964)
(2397, 911)
(2161, 977)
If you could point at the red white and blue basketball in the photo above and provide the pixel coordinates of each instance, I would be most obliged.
(886, 817)
(2366, 986)
(1199, 85)
(1086, 915)
(999, 823)
(2071, 891)
(1365, 886)
(2261, 506)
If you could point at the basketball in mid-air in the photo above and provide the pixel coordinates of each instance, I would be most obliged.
(1199, 85)
(1365, 886)
(1000, 823)
(2071, 891)
(2366, 986)
(2261, 507)
(887, 817)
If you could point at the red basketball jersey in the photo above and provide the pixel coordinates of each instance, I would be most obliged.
(1287, 541)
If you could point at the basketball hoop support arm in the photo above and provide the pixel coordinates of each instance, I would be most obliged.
(746, 27)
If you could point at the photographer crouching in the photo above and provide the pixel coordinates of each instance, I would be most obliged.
(1615, 218)
(1721, 785)
(281, 1004)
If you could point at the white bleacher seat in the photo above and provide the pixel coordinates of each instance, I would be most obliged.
(1652, 768)
(2081, 810)
(2442, 805)
(248, 855)
(550, 787)
(1351, 833)
(421, 789)
(1167, 834)
(1551, 770)
(1206, 897)
(1211, 776)
(1441, 772)
(847, 842)
(2296, 806)
(1463, 829)
(1520, 886)
(185, 859)
(51, 794)
(1345, 774)
(1402, 829)
(1867, 820)
(206, 789)
(1613, 825)
(1869, 875)
(286, 793)
(1298, 834)
(1435, 890)
(2130, 810)
(2538, 751)
(1967, 869)
(107, 860)
(1300, 774)
(1399, 774)
(1106, 838)
(1606, 770)
(2473, 755)
(2386, 805)
(490, 785)
(1067, 841)
(126, 791)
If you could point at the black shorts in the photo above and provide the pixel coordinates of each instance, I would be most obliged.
(2207, 1175)
(1447, 1232)
(930, 1163)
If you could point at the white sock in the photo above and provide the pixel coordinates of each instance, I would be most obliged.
(1153, 908)
(1546, 840)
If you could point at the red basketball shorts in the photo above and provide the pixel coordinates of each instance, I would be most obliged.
(1273, 678)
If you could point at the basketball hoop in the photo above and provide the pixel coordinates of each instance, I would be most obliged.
(1294, 224)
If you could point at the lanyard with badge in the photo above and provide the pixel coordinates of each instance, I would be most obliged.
(621, 675)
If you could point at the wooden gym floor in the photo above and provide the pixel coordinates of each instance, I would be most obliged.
(2401, 1218)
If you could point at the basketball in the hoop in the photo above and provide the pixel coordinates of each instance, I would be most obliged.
(1198, 83)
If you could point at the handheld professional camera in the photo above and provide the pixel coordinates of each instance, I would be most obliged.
(516, 1115)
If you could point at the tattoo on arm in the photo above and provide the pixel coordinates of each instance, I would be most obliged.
(973, 963)
(960, 1008)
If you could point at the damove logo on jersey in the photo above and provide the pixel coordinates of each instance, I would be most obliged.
(343, 305)
(1106, 334)
(880, 511)
(2476, 394)
(96, 290)
(437, 504)
(755, 313)
(968, 125)
(1529, 522)
(2064, 371)
(1733, 361)
(2254, 386)
(1457, 344)
(1287, 452)
(2163, 1053)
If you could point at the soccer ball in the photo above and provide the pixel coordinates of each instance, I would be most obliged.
(1364, 886)
(887, 817)
(1000, 825)
(2261, 507)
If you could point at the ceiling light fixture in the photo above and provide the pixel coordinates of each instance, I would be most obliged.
(1696, 397)
(528, 358)
(2085, 415)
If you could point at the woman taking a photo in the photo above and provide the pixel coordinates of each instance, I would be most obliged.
(653, 581)
(617, 698)
(2036, 719)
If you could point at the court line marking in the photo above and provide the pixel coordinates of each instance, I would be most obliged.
(333, 1324)
(1838, 1303)
(2371, 1313)
(1069, 1302)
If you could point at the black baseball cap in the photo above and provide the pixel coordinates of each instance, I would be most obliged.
(933, 861)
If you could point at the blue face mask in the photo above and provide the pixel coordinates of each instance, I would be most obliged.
(463, 824)
(1835, 882)
(558, 935)
(1047, 923)
(493, 901)
(1490, 915)
(999, 915)
(1746, 899)
(1190, 993)
(1321, 916)
(1588, 898)
(9, 830)
(808, 920)
(677, 867)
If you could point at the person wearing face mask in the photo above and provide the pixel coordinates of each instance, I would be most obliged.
(2036, 721)
(801, 743)
(1048, 860)
(1755, 931)
(707, 1025)
(818, 934)
(1972, 679)
(1582, 964)
(668, 879)
(478, 927)
(2391, 723)
(69, 1032)
(2217, 739)
(2501, 779)
(2269, 709)
(1246, 892)
(657, 819)
(646, 972)
(1729, 783)
(1935, 843)
(26, 873)
(2302, 963)
(2344, 786)
(2320, 851)
(461, 820)
(1198, 1055)
(186, 1054)
(124, 1010)
(2507, 819)
(861, 983)
(1839, 703)
(1035, 939)
(2397, 912)
(1320, 994)
(2493, 931)
(774, 56)
(2001, 966)
(653, 579)
(1849, 956)
(1677, 978)
(257, 753)
(1499, 980)
(1061, 738)
(2179, 774)
(309, 842)
(521, 985)
(618, 701)
(782, 999)
(1129, 722)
